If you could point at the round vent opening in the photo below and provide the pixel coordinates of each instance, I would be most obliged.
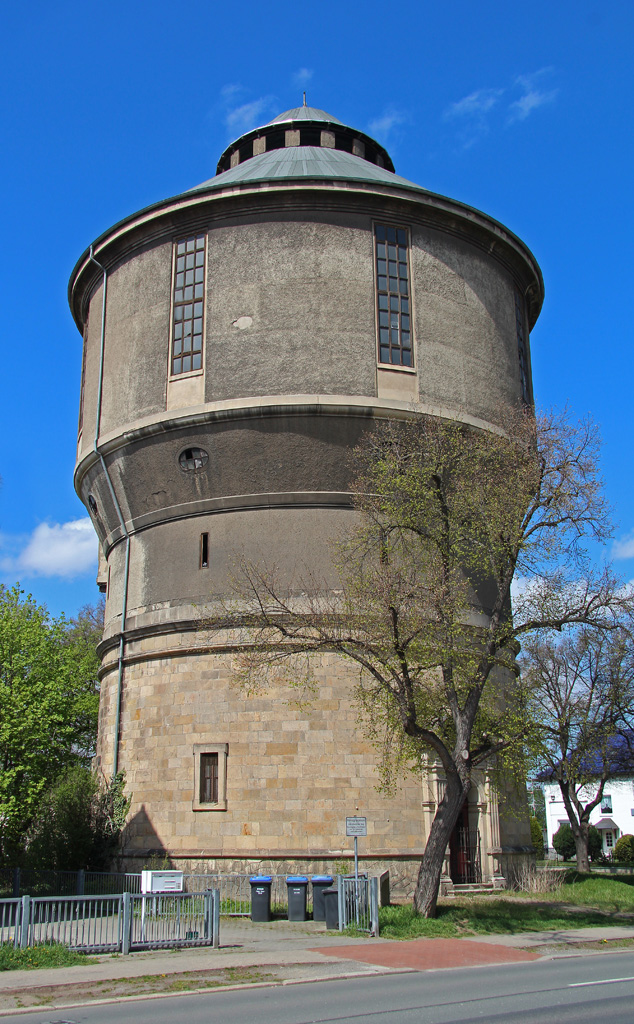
(193, 459)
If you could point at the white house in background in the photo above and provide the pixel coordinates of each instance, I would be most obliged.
(613, 817)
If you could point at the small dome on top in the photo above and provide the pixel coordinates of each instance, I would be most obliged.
(305, 128)
(305, 114)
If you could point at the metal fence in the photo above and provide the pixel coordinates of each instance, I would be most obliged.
(9, 917)
(235, 889)
(100, 924)
(359, 904)
(235, 892)
(16, 882)
(164, 921)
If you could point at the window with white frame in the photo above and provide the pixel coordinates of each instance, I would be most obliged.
(606, 804)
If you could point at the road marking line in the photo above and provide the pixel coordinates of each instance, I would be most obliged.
(607, 981)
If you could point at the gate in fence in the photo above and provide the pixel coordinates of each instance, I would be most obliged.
(359, 904)
(103, 924)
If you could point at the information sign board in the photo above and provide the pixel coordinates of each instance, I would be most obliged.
(356, 826)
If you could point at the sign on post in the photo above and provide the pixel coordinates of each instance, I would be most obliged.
(356, 826)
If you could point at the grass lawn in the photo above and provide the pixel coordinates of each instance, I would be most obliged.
(581, 902)
(51, 954)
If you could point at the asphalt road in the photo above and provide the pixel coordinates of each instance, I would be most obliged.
(579, 989)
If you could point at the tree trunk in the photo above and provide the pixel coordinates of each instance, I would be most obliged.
(428, 882)
(581, 844)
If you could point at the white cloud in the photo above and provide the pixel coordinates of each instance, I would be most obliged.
(476, 112)
(532, 97)
(624, 548)
(382, 126)
(302, 77)
(54, 549)
(249, 115)
(476, 104)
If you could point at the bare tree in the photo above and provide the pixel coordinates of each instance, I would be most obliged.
(447, 516)
(580, 694)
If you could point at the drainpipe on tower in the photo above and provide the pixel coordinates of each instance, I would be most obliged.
(115, 501)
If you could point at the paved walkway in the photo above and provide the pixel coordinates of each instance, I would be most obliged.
(301, 952)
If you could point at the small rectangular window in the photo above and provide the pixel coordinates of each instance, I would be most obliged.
(606, 804)
(204, 550)
(395, 339)
(210, 777)
(188, 305)
(609, 840)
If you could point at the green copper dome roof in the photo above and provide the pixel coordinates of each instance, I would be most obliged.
(305, 162)
(305, 114)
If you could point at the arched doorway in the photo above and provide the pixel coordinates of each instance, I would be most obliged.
(464, 850)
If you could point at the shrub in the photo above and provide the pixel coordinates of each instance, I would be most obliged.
(624, 849)
(595, 843)
(564, 842)
(78, 823)
(537, 837)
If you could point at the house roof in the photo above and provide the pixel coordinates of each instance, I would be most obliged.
(606, 823)
(620, 754)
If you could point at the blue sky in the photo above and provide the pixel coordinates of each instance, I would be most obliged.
(523, 112)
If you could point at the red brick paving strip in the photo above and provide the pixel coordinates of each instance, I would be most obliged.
(429, 954)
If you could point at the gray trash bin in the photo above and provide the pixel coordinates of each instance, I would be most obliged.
(297, 886)
(320, 882)
(261, 897)
(331, 907)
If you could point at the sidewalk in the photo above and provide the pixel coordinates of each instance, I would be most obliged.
(280, 953)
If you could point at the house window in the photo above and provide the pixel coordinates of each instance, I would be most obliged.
(393, 295)
(522, 351)
(210, 777)
(606, 804)
(188, 305)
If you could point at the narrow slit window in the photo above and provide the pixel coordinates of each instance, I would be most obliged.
(393, 295)
(188, 306)
(209, 778)
(522, 352)
(204, 550)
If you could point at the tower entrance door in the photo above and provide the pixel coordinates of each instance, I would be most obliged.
(464, 851)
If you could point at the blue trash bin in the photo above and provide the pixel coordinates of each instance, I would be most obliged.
(297, 886)
(320, 882)
(261, 897)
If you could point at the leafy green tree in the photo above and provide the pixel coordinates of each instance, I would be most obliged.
(48, 707)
